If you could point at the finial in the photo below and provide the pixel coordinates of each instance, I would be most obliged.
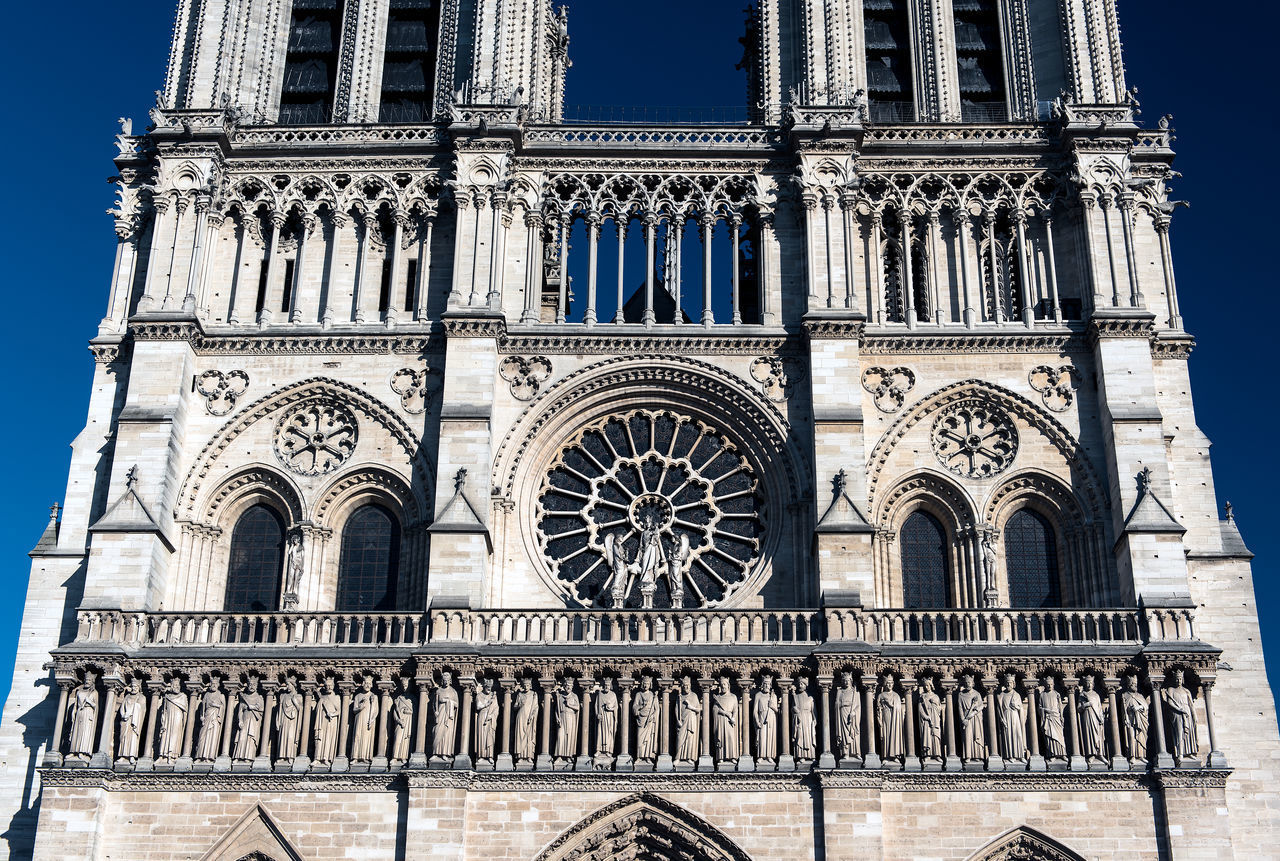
(131, 477)
(1144, 480)
(841, 482)
(1231, 517)
(460, 480)
(53, 512)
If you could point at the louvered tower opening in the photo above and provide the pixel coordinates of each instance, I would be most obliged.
(311, 62)
(888, 38)
(409, 64)
(980, 61)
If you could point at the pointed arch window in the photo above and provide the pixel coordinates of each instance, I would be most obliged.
(925, 580)
(257, 560)
(1031, 561)
(369, 562)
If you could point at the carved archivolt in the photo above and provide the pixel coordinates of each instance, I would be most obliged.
(642, 826)
(1025, 844)
(255, 481)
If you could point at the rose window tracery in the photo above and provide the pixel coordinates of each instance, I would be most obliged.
(316, 438)
(650, 509)
(975, 440)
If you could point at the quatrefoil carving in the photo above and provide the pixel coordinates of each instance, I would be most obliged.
(1056, 385)
(777, 376)
(888, 387)
(525, 376)
(416, 388)
(221, 391)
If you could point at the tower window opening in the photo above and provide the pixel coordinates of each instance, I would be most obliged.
(286, 297)
(311, 62)
(409, 62)
(411, 286)
(890, 89)
(980, 61)
(384, 289)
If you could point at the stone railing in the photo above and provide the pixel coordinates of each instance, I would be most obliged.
(1049, 627)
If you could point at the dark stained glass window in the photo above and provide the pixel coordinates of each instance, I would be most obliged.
(369, 561)
(257, 559)
(925, 581)
(1031, 560)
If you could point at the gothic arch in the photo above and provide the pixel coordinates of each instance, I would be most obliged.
(1025, 844)
(255, 836)
(952, 506)
(717, 399)
(659, 829)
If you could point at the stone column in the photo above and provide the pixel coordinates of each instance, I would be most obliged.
(735, 230)
(961, 218)
(398, 221)
(462, 759)
(180, 204)
(708, 232)
(548, 685)
(498, 251)
(1024, 266)
(953, 761)
(223, 762)
(419, 757)
(197, 253)
(872, 759)
(273, 265)
(423, 283)
(184, 762)
(146, 762)
(1163, 758)
(1216, 758)
(306, 228)
(338, 220)
(593, 256)
(935, 279)
(303, 760)
(849, 210)
(620, 223)
(1051, 261)
(1088, 203)
(826, 759)
(650, 240)
(746, 762)
(1118, 760)
(1125, 202)
(1073, 735)
(1166, 265)
(341, 762)
(877, 256)
(1035, 762)
(707, 761)
(786, 762)
(263, 762)
(809, 202)
(107, 723)
(562, 304)
(505, 762)
(380, 760)
(585, 718)
(664, 728)
(997, 307)
(624, 761)
(533, 267)
(994, 760)
(1113, 267)
(912, 761)
(907, 281)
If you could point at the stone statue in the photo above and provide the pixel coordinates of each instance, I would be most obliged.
(445, 713)
(1011, 720)
(930, 721)
(84, 716)
(890, 714)
(249, 714)
(676, 569)
(1092, 718)
(646, 706)
(724, 714)
(568, 706)
(652, 561)
(973, 743)
(606, 718)
(293, 564)
(213, 711)
(804, 723)
(526, 705)
(133, 710)
(1049, 701)
(688, 722)
(486, 720)
(401, 723)
(848, 718)
(173, 721)
(764, 716)
(1137, 720)
(289, 720)
(328, 713)
(616, 555)
(1186, 743)
(364, 721)
(990, 596)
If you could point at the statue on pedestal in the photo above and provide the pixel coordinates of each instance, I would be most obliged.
(1012, 721)
(764, 716)
(173, 721)
(804, 723)
(606, 718)
(401, 723)
(724, 712)
(133, 711)
(486, 720)
(328, 713)
(1137, 720)
(249, 713)
(1049, 701)
(84, 716)
(364, 721)
(526, 734)
(445, 711)
(1185, 739)
(973, 742)
(688, 722)
(568, 706)
(931, 710)
(646, 707)
(848, 718)
(213, 711)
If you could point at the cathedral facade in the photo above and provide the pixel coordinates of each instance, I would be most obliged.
(463, 480)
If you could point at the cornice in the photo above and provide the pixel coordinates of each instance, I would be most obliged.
(276, 343)
(684, 341)
(900, 343)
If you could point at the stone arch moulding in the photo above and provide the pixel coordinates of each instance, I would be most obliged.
(317, 389)
(1084, 477)
(253, 481)
(1025, 844)
(710, 395)
(662, 830)
(255, 835)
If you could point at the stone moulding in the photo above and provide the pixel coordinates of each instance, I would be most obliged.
(272, 343)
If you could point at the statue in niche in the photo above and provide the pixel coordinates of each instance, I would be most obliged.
(973, 743)
(84, 716)
(890, 715)
(249, 712)
(848, 718)
(804, 723)
(931, 710)
(364, 721)
(133, 710)
(616, 555)
(606, 718)
(724, 714)
(486, 720)
(1137, 720)
(646, 706)
(173, 721)
(1049, 701)
(689, 710)
(293, 567)
(328, 712)
(289, 720)
(401, 723)
(676, 569)
(1011, 719)
(213, 711)
(1092, 718)
(445, 713)
(568, 706)
(764, 715)
(1186, 743)
(526, 704)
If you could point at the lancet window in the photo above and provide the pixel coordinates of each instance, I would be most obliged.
(980, 61)
(1031, 561)
(369, 561)
(906, 272)
(888, 46)
(1002, 269)
(409, 63)
(256, 564)
(925, 567)
(311, 62)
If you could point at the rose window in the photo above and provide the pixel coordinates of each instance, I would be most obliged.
(316, 438)
(975, 440)
(650, 510)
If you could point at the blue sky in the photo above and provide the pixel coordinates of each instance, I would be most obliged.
(100, 61)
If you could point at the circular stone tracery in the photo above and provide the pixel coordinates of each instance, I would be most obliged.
(975, 440)
(315, 438)
(650, 502)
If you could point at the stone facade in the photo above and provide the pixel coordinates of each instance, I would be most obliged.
(824, 486)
